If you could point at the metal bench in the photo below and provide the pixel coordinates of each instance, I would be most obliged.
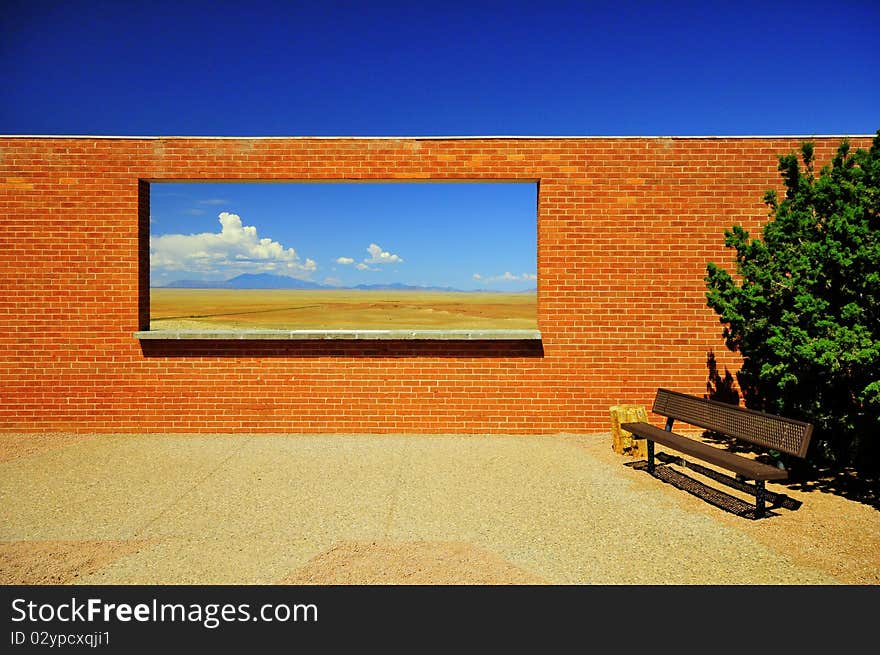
(775, 432)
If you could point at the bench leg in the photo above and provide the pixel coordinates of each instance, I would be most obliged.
(650, 456)
(759, 498)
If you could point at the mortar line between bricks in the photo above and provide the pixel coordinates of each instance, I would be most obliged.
(192, 487)
(395, 491)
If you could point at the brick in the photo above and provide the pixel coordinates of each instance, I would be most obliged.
(625, 228)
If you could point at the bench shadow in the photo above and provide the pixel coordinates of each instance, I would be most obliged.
(664, 472)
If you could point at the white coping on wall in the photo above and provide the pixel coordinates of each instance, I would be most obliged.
(443, 138)
(380, 335)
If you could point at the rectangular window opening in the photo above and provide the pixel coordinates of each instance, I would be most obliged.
(380, 260)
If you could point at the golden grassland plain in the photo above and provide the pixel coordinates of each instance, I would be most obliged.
(338, 309)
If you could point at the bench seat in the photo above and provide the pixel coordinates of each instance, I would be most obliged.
(747, 467)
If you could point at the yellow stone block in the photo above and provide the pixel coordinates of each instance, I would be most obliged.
(622, 441)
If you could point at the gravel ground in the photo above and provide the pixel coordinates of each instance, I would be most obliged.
(402, 509)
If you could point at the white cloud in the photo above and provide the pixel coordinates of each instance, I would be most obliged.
(379, 256)
(363, 267)
(507, 276)
(234, 250)
(194, 212)
(214, 201)
(344, 260)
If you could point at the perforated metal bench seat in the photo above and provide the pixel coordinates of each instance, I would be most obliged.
(708, 453)
(767, 430)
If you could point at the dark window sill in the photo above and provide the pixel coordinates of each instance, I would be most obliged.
(345, 335)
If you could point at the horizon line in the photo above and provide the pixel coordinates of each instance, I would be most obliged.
(389, 286)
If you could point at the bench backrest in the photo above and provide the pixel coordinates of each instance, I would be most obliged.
(782, 434)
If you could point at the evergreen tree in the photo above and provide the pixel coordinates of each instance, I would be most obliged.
(804, 309)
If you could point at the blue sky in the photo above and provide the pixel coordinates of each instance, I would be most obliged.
(416, 68)
(440, 68)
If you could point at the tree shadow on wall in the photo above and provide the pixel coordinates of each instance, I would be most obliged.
(722, 388)
(718, 387)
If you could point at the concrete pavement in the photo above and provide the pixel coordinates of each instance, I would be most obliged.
(351, 509)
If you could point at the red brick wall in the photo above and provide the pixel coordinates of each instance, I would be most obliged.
(625, 228)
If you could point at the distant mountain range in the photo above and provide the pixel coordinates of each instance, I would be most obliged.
(270, 281)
